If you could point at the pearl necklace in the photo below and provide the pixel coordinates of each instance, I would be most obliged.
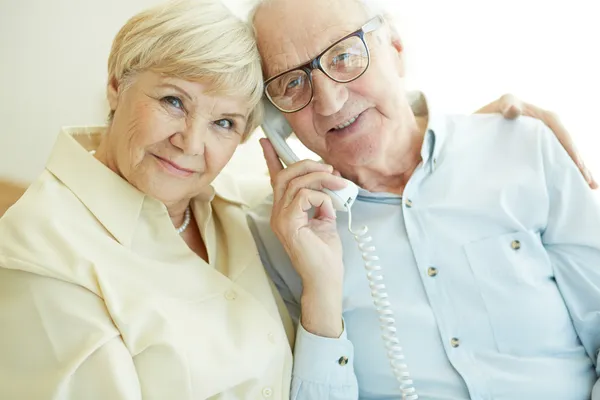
(186, 221)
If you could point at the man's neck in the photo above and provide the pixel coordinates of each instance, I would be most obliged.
(392, 173)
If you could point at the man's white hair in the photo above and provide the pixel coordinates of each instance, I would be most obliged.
(375, 7)
(371, 8)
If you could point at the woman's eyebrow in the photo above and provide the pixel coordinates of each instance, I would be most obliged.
(179, 89)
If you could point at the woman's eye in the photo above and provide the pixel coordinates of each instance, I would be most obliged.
(225, 124)
(173, 101)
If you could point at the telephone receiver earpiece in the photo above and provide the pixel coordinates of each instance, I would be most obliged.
(277, 130)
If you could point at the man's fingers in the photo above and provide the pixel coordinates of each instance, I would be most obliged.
(313, 181)
(306, 199)
(305, 167)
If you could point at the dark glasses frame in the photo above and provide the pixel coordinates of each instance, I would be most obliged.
(371, 25)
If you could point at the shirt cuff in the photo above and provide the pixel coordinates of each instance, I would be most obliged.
(323, 360)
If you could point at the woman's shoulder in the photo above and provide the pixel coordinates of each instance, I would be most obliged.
(43, 200)
(42, 229)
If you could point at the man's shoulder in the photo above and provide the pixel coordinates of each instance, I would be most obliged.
(493, 133)
(493, 123)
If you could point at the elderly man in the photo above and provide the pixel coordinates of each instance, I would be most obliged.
(487, 235)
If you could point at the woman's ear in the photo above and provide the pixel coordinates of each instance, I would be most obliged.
(112, 93)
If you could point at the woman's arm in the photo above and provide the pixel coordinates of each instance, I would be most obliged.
(58, 341)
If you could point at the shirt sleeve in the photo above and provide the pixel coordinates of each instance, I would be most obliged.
(323, 367)
(58, 341)
(572, 240)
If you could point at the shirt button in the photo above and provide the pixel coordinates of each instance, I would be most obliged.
(454, 342)
(343, 361)
(516, 245)
(271, 337)
(432, 272)
(408, 203)
(230, 295)
(267, 392)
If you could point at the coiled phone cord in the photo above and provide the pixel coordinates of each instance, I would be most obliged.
(384, 310)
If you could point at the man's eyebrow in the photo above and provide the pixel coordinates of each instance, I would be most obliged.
(331, 43)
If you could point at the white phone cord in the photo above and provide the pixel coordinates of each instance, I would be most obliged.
(383, 307)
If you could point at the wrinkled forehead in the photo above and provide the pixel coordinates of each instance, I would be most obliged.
(289, 34)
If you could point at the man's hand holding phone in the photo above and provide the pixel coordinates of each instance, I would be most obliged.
(311, 241)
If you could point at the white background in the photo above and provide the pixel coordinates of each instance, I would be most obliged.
(462, 53)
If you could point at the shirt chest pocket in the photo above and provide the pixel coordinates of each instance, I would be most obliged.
(516, 281)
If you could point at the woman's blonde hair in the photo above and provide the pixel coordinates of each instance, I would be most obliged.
(195, 40)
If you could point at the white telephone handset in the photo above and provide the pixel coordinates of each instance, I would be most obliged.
(277, 129)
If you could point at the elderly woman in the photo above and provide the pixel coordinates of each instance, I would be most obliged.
(125, 274)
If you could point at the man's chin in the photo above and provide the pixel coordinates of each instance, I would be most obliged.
(352, 158)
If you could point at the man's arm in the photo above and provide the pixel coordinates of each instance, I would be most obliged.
(572, 240)
(323, 366)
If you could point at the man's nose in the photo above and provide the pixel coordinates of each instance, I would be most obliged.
(328, 96)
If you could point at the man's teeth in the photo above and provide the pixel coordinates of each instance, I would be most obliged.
(346, 124)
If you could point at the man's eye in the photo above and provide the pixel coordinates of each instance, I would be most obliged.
(341, 58)
(173, 101)
(225, 124)
(294, 83)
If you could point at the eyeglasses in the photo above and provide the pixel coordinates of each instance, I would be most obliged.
(344, 61)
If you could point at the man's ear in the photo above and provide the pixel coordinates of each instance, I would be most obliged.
(398, 46)
(396, 40)
(112, 93)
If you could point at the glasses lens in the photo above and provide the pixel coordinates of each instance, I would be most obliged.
(291, 91)
(347, 60)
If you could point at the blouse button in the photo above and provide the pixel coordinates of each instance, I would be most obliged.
(230, 295)
(267, 392)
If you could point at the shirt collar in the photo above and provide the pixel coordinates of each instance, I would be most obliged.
(114, 202)
(435, 132)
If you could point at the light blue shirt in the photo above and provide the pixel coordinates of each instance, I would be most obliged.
(492, 263)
